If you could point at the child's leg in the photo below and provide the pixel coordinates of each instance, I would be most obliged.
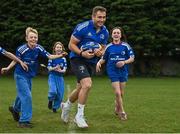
(23, 86)
(52, 88)
(118, 97)
(60, 92)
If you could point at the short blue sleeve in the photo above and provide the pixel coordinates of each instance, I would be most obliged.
(80, 30)
(2, 51)
(42, 51)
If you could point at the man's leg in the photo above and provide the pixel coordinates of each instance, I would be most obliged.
(67, 105)
(82, 98)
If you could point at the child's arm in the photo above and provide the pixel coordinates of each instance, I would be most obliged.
(13, 57)
(50, 68)
(98, 65)
(51, 56)
(6, 69)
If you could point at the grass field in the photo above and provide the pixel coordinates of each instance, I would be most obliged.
(152, 105)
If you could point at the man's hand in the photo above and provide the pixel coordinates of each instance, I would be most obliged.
(87, 54)
(98, 52)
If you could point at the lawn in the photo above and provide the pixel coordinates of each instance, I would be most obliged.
(152, 105)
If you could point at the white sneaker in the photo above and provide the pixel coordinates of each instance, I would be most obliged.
(80, 121)
(123, 116)
(65, 113)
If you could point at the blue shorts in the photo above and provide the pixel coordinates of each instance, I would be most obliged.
(120, 79)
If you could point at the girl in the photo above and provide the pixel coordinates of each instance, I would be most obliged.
(118, 55)
(57, 68)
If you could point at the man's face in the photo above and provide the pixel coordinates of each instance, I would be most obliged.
(99, 18)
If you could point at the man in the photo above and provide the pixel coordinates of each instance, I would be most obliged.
(87, 44)
(13, 57)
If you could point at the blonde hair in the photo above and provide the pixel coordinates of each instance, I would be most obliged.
(58, 43)
(30, 29)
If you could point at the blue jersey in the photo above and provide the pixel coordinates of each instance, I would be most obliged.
(86, 33)
(30, 57)
(59, 61)
(2, 51)
(115, 53)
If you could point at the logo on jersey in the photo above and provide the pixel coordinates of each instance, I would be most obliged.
(89, 34)
(102, 36)
(116, 58)
(123, 52)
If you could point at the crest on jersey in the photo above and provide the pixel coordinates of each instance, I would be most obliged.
(123, 52)
(102, 36)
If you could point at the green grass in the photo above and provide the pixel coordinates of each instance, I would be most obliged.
(152, 105)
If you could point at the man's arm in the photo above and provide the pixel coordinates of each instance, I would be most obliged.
(73, 47)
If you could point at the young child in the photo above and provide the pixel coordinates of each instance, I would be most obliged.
(13, 57)
(28, 53)
(118, 55)
(57, 68)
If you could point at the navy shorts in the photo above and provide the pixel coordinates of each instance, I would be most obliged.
(120, 79)
(81, 68)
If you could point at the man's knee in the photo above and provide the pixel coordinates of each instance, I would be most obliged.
(86, 86)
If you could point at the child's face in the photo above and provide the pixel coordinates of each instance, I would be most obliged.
(32, 39)
(116, 34)
(58, 49)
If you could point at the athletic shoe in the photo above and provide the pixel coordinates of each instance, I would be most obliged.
(65, 113)
(54, 110)
(25, 124)
(50, 104)
(14, 113)
(80, 121)
(123, 116)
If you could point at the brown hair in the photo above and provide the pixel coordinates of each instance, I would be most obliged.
(123, 36)
(98, 8)
(58, 43)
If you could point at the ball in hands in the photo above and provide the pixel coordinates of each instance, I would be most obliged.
(93, 46)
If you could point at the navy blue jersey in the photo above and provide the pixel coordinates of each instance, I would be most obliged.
(115, 53)
(86, 33)
(30, 57)
(59, 61)
(2, 51)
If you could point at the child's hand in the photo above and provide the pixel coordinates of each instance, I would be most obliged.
(64, 54)
(4, 70)
(119, 64)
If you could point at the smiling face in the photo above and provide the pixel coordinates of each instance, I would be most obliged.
(58, 49)
(32, 39)
(99, 18)
(116, 35)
